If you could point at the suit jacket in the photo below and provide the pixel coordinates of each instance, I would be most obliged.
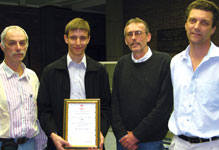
(55, 87)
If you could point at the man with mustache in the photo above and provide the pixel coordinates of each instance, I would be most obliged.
(142, 92)
(19, 127)
(195, 78)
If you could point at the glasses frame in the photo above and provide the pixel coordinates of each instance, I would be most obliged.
(137, 33)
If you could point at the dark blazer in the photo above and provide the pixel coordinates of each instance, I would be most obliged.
(55, 87)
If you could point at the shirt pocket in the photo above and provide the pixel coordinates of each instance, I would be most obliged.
(208, 94)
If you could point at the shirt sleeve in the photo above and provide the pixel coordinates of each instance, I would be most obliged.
(117, 123)
(40, 139)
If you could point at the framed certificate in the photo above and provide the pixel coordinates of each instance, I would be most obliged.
(82, 123)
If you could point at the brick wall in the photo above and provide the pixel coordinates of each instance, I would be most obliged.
(162, 16)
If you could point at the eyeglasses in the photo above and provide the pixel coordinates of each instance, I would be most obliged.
(136, 33)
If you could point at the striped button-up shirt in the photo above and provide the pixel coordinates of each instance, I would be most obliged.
(21, 101)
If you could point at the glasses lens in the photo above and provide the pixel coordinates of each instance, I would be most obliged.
(136, 33)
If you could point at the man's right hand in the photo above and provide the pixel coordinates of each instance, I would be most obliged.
(59, 141)
(129, 141)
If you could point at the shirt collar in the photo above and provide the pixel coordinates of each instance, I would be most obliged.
(83, 61)
(9, 72)
(185, 54)
(213, 52)
(144, 58)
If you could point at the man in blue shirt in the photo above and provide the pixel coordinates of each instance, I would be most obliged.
(195, 78)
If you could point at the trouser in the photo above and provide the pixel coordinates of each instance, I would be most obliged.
(156, 145)
(28, 145)
(180, 144)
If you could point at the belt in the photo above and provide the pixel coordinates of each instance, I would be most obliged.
(197, 139)
(21, 140)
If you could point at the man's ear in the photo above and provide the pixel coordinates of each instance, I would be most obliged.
(213, 30)
(2, 47)
(66, 38)
(88, 40)
(148, 37)
(126, 43)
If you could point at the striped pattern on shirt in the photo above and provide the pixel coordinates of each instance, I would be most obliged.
(22, 105)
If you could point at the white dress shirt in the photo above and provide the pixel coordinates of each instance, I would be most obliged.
(77, 73)
(144, 58)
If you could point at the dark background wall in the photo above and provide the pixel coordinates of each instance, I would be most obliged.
(45, 27)
(166, 22)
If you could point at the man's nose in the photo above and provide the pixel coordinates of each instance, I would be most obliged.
(18, 46)
(197, 25)
(78, 41)
(133, 35)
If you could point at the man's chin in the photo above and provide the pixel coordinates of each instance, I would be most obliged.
(135, 49)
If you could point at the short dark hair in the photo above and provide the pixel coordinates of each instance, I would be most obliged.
(77, 23)
(204, 5)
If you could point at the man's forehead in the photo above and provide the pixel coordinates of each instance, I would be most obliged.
(78, 32)
(9, 38)
(15, 34)
(135, 26)
(200, 13)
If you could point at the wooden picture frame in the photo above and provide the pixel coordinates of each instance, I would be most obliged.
(81, 126)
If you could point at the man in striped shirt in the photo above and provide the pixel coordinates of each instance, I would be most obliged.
(19, 127)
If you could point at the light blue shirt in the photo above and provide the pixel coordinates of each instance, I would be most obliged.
(77, 73)
(196, 95)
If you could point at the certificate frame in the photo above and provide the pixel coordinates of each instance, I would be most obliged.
(72, 117)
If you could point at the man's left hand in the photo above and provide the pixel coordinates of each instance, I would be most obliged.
(101, 143)
(129, 140)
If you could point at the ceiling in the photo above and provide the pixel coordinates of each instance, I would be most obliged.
(92, 6)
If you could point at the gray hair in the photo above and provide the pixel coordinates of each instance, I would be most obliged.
(4, 32)
(138, 20)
